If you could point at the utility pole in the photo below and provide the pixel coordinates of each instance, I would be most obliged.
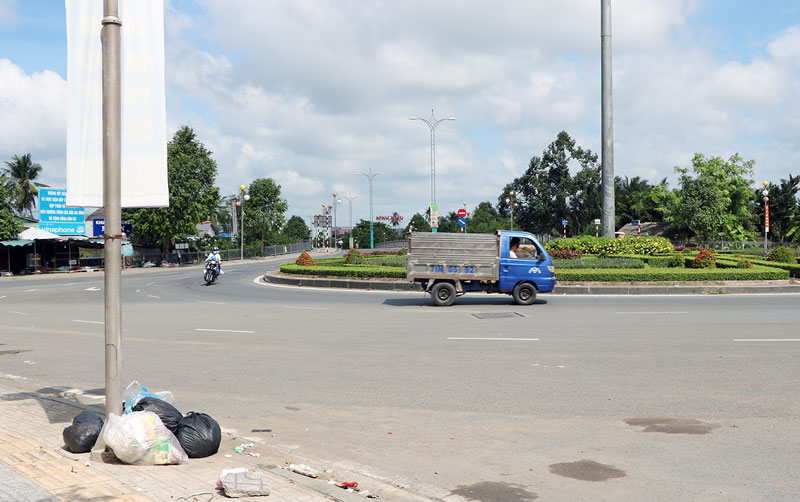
(607, 113)
(432, 123)
(370, 177)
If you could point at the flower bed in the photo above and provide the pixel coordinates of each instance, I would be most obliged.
(608, 263)
(757, 273)
(354, 271)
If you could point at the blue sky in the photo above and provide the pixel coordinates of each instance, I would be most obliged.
(311, 93)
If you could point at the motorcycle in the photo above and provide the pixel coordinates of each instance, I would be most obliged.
(210, 272)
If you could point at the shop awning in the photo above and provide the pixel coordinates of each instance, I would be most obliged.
(16, 242)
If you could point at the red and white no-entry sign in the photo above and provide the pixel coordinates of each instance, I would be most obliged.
(462, 213)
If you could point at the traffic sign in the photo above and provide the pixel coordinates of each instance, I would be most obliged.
(462, 222)
(564, 222)
(462, 213)
(635, 223)
(597, 221)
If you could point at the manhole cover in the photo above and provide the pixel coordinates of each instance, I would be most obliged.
(497, 315)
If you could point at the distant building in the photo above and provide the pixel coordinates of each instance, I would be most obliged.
(653, 229)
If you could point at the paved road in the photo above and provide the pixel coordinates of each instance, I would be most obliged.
(574, 398)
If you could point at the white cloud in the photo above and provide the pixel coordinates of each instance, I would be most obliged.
(8, 12)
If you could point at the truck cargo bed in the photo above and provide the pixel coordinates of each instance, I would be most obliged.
(466, 257)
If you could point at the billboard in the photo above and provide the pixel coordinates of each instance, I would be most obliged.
(56, 217)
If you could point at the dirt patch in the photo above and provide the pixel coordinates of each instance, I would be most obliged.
(490, 491)
(587, 470)
(672, 425)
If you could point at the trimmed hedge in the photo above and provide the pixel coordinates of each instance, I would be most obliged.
(673, 274)
(584, 263)
(658, 261)
(607, 245)
(354, 271)
(794, 270)
(386, 260)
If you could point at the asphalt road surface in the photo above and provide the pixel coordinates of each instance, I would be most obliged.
(574, 398)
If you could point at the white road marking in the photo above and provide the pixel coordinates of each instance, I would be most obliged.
(306, 308)
(88, 322)
(14, 377)
(212, 303)
(224, 330)
(1, 297)
(153, 296)
(92, 289)
(18, 313)
(70, 284)
(766, 339)
(30, 290)
(495, 338)
(681, 312)
(149, 283)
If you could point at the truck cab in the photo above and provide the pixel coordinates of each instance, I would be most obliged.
(532, 263)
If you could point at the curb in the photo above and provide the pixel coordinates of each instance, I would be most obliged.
(676, 289)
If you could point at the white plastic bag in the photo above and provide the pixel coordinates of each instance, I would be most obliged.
(141, 438)
(134, 392)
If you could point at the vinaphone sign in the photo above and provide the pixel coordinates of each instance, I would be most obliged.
(389, 218)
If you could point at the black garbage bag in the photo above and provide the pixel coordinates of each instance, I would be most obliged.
(81, 436)
(168, 414)
(199, 435)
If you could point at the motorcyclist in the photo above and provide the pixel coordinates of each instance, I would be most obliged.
(214, 255)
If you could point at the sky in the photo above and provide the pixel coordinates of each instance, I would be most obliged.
(312, 93)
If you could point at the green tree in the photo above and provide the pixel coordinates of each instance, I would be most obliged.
(296, 229)
(19, 178)
(264, 212)
(192, 195)
(485, 219)
(382, 233)
(419, 222)
(717, 203)
(547, 193)
(9, 228)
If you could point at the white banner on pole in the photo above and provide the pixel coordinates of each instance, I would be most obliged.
(144, 127)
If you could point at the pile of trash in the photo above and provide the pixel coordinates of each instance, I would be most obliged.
(151, 430)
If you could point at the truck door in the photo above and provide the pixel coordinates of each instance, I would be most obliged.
(527, 266)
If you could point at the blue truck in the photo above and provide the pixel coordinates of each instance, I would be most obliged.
(450, 265)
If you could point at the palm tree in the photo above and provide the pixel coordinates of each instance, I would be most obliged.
(19, 178)
(395, 221)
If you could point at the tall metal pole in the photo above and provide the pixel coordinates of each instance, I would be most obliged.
(607, 120)
(335, 205)
(432, 123)
(350, 197)
(242, 199)
(112, 196)
(370, 177)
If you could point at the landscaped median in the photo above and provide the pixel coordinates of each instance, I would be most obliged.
(757, 273)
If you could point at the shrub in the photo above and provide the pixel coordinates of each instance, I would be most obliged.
(607, 245)
(305, 260)
(742, 262)
(354, 258)
(565, 254)
(386, 260)
(706, 259)
(782, 254)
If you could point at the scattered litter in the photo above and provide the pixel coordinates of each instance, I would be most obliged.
(134, 392)
(305, 470)
(81, 436)
(228, 455)
(242, 483)
(242, 447)
(260, 430)
(30, 362)
(388, 433)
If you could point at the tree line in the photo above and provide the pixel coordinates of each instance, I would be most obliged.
(715, 199)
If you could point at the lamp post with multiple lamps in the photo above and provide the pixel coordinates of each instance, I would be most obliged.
(240, 203)
(432, 123)
(766, 213)
(336, 203)
(370, 176)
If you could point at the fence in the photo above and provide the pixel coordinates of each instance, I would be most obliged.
(178, 257)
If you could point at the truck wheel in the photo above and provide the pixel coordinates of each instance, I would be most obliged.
(443, 294)
(524, 293)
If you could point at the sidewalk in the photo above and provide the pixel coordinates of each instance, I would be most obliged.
(34, 466)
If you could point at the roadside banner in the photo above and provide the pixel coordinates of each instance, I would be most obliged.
(144, 129)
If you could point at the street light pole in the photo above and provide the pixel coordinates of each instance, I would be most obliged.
(370, 176)
(432, 123)
(243, 197)
(766, 214)
(350, 197)
(511, 206)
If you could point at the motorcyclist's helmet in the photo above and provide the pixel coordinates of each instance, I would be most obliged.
(215, 249)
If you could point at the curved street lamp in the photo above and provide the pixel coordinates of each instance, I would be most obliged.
(432, 123)
(243, 198)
